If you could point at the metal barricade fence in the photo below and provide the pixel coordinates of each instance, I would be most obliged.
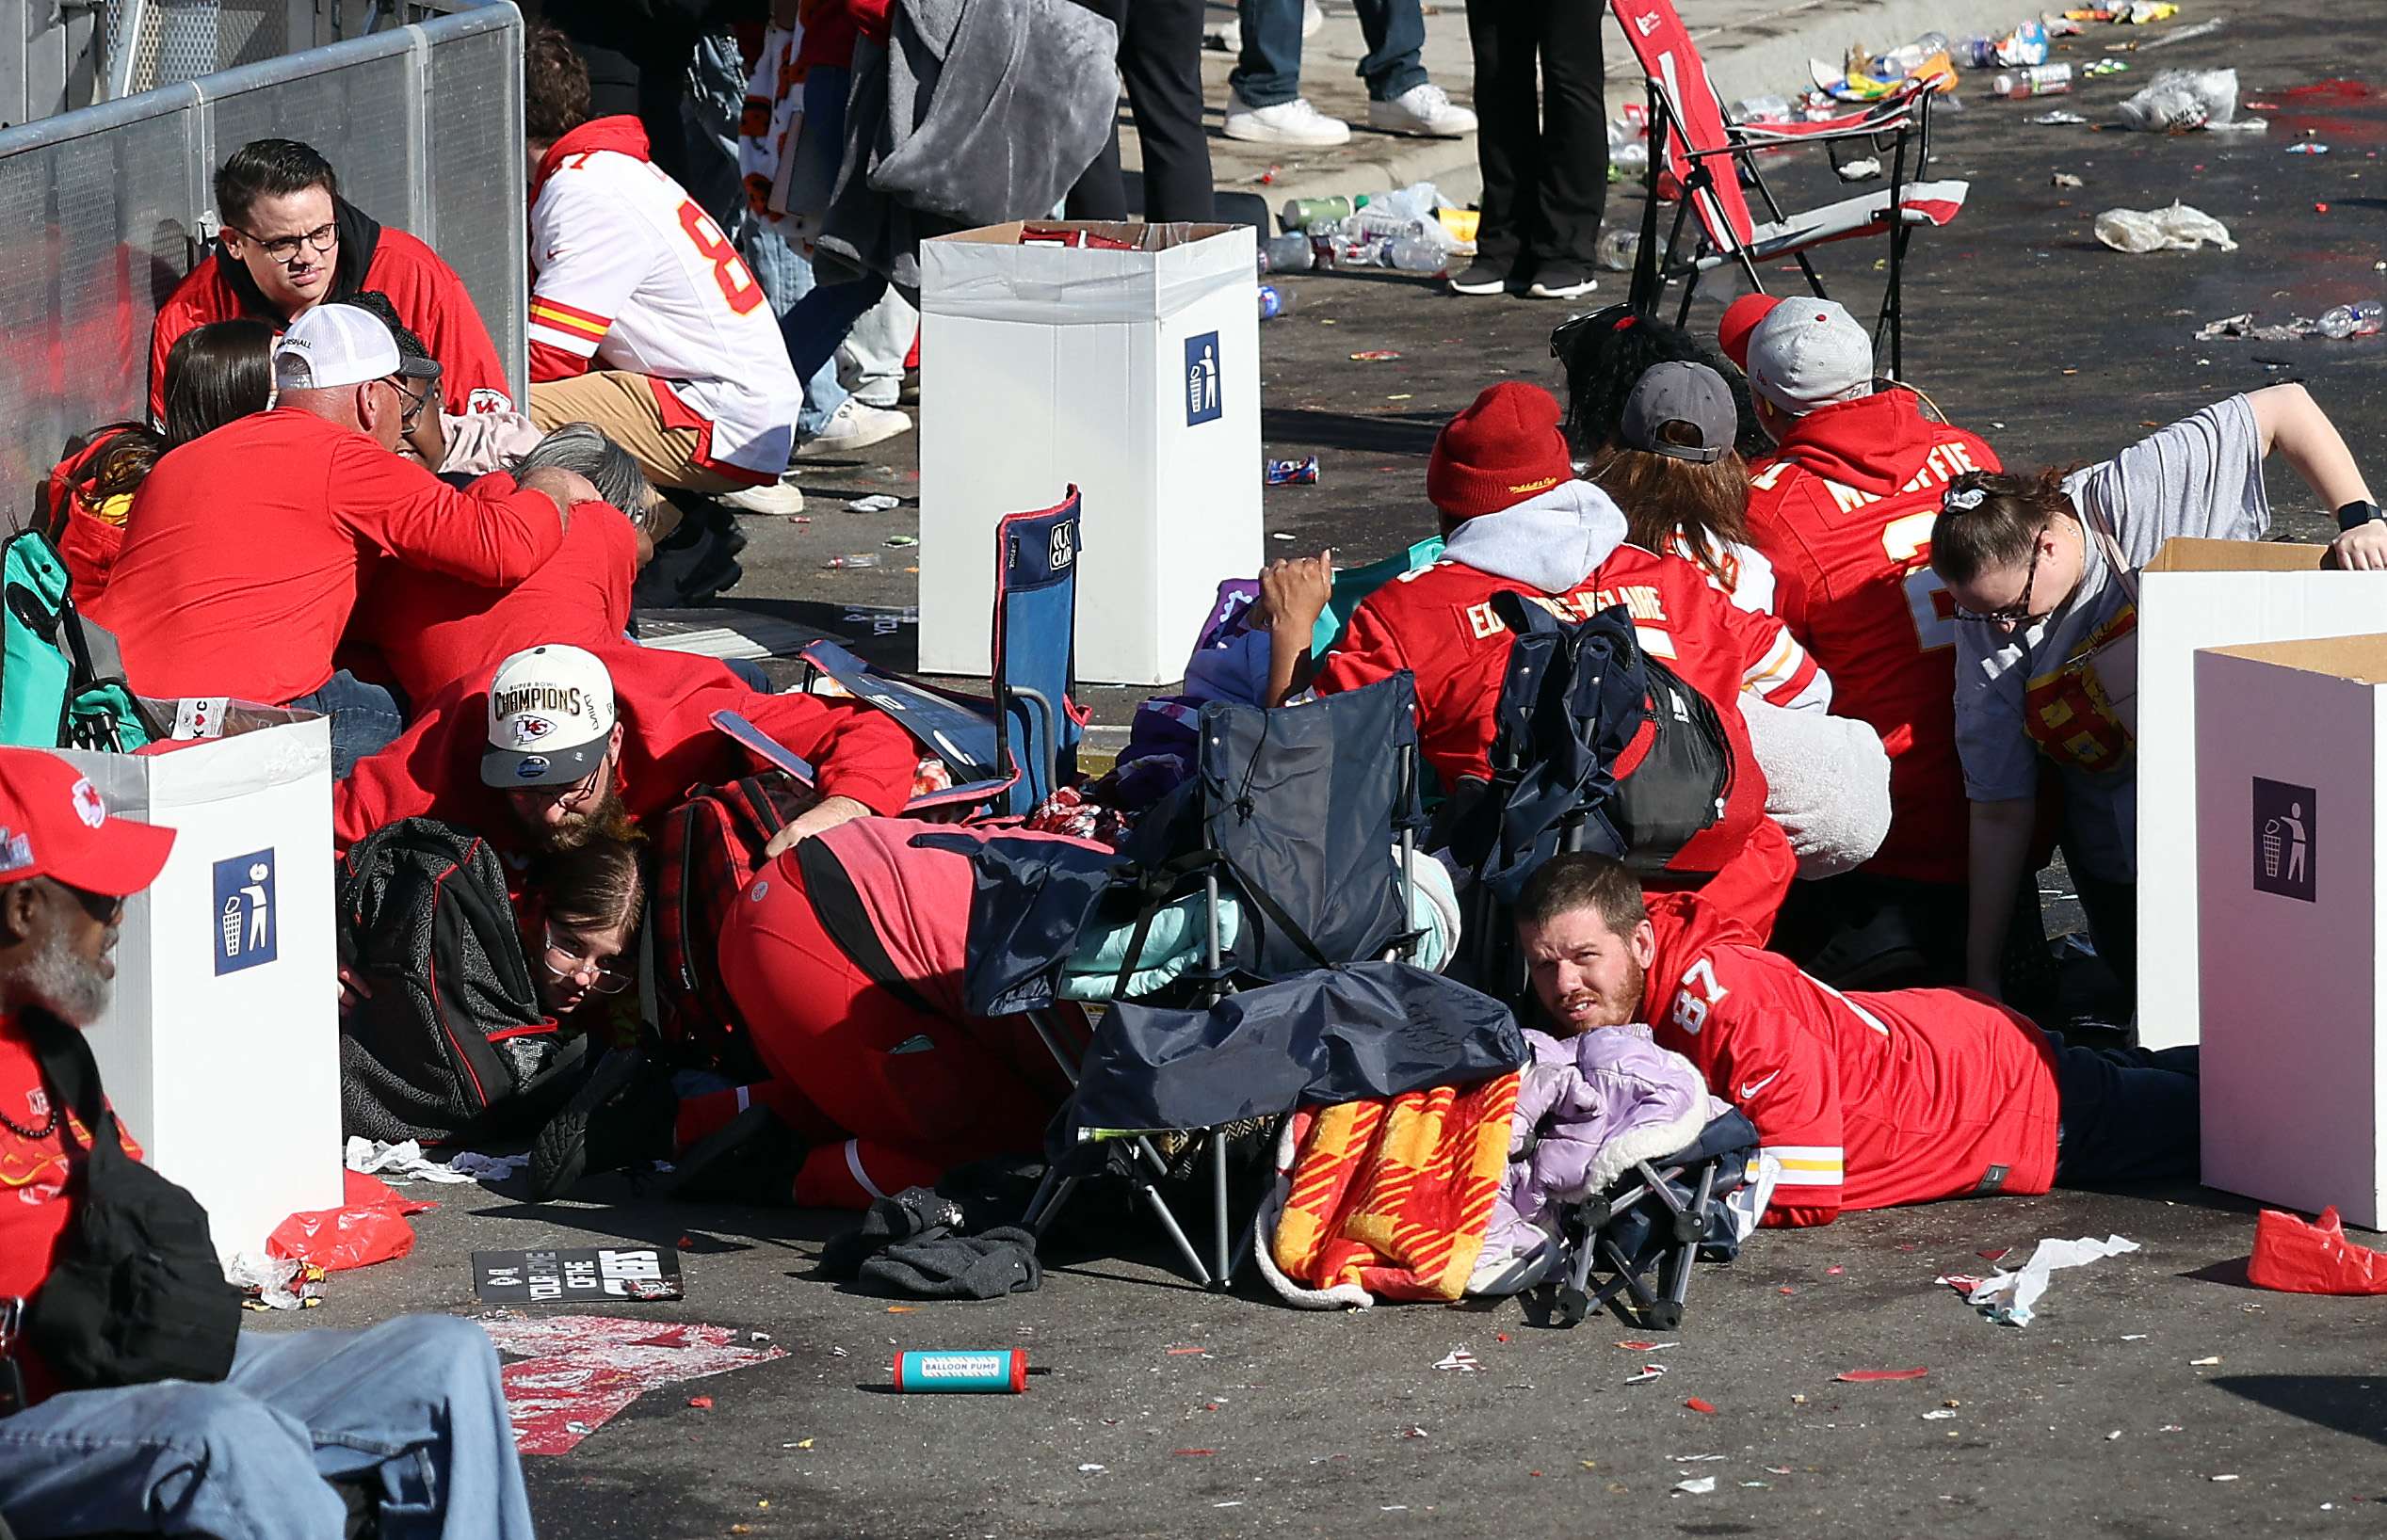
(103, 211)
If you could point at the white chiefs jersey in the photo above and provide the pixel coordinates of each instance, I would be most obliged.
(627, 270)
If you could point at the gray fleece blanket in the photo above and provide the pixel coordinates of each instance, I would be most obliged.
(978, 112)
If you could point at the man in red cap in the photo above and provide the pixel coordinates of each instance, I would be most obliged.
(1844, 511)
(1517, 520)
(410, 1412)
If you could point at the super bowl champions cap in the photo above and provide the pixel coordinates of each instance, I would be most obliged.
(550, 717)
(332, 345)
(1808, 354)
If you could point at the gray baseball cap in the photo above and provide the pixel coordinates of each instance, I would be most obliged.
(1681, 392)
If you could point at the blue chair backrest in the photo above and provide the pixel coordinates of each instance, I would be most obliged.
(1036, 647)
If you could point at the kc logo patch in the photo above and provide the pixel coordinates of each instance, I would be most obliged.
(530, 729)
(88, 805)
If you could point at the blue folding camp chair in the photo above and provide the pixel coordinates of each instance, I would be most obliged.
(1009, 752)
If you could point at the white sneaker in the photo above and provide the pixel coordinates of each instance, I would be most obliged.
(1313, 17)
(855, 424)
(1426, 110)
(1287, 122)
(780, 497)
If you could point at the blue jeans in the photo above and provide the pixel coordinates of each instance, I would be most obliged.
(1268, 73)
(822, 318)
(412, 1409)
(2126, 1114)
(786, 278)
(365, 718)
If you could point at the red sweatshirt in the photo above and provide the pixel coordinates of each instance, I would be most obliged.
(429, 299)
(1868, 1100)
(242, 561)
(665, 701)
(1437, 623)
(432, 632)
(33, 1172)
(1845, 512)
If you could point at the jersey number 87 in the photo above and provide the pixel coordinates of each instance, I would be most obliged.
(738, 285)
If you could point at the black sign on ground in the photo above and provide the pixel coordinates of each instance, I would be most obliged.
(578, 1273)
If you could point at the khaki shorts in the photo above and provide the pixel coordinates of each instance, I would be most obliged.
(623, 406)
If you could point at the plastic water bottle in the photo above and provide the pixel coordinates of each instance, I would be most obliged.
(2358, 320)
(1420, 256)
(1274, 301)
(839, 564)
(1618, 249)
(2038, 80)
(1762, 109)
(1286, 253)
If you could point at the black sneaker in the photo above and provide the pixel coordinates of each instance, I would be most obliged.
(1562, 281)
(750, 1159)
(622, 1115)
(1481, 276)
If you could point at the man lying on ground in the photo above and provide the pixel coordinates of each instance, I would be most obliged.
(1865, 1101)
(240, 573)
(290, 241)
(408, 1415)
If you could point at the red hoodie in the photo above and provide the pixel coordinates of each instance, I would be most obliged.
(666, 701)
(1845, 512)
(1867, 1100)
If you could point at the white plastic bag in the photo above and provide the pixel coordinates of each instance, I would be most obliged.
(2178, 228)
(2176, 100)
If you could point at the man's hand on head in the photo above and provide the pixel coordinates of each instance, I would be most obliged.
(826, 815)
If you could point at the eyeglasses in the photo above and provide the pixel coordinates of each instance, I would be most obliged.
(414, 402)
(2019, 611)
(569, 797)
(568, 962)
(285, 248)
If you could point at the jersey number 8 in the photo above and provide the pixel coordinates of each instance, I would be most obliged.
(738, 285)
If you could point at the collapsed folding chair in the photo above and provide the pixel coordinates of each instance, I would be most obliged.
(1009, 752)
(1651, 1224)
(1706, 154)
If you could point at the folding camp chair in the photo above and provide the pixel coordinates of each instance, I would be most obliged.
(1296, 812)
(1010, 751)
(1707, 154)
(1648, 1229)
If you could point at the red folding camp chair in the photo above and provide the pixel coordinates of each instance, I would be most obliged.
(1706, 154)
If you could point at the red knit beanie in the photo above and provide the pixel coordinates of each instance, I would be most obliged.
(1500, 451)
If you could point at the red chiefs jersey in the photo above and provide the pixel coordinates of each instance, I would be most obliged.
(1845, 511)
(1866, 1100)
(1438, 624)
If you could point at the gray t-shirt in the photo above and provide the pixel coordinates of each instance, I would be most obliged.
(2202, 476)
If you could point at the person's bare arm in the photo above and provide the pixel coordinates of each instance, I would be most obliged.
(820, 818)
(1294, 592)
(2293, 422)
(2001, 838)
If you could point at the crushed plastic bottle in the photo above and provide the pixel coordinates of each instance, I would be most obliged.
(1274, 301)
(1618, 247)
(1628, 147)
(2364, 319)
(839, 564)
(1762, 109)
(2039, 80)
(1286, 253)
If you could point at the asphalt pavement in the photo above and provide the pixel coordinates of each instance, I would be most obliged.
(2156, 1395)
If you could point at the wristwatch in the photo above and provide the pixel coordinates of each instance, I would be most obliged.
(2355, 515)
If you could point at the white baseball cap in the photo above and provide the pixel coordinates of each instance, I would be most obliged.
(1808, 354)
(550, 717)
(332, 345)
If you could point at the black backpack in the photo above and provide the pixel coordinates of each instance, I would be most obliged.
(452, 1043)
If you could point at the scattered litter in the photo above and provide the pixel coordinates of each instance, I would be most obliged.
(1376, 355)
(1868, 1376)
(1266, 178)
(1191, 1453)
(2009, 1296)
(397, 1162)
(1798, 1400)
(901, 1309)
(1631, 1345)
(1753, 1484)
(1866, 169)
(2058, 118)
(875, 502)
(1940, 1416)
(1649, 1371)
(1460, 1359)
(1701, 1486)
(2205, 1363)
(1231, 1502)
(1089, 1467)
(2308, 147)
(275, 1283)
(2179, 101)
(2171, 1427)
(2178, 228)
(1778, 1470)
(1186, 1352)
(758, 1337)
(1301, 472)
(800, 1443)
(1412, 1433)
(2313, 1259)
(900, 540)
(702, 1403)
(1693, 1459)
(2111, 1436)
(836, 1352)
(2135, 1337)
(1394, 1508)
(1834, 1272)
(1703, 1408)
(2202, 29)
(1993, 1255)
(2221, 1478)
(2065, 179)
(2243, 326)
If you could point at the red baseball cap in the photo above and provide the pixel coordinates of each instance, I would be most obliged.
(53, 824)
(1740, 318)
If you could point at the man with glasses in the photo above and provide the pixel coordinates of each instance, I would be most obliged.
(289, 241)
(240, 575)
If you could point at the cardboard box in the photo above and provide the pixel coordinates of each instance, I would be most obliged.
(220, 1048)
(2200, 593)
(1133, 374)
(2291, 751)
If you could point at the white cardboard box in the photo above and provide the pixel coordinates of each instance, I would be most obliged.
(1134, 374)
(2291, 752)
(2199, 594)
(220, 1048)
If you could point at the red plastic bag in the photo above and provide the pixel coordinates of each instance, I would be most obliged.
(369, 1227)
(2313, 1259)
